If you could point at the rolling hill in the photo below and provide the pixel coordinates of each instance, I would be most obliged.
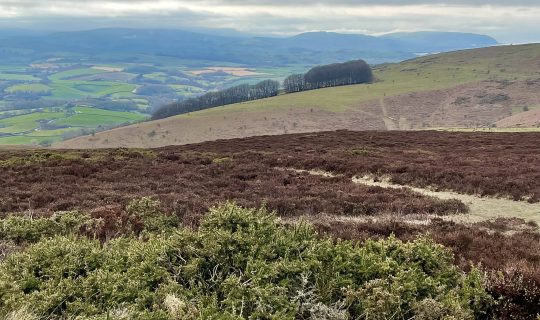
(465, 89)
(312, 47)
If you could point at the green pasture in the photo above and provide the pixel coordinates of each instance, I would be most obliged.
(26, 129)
(27, 122)
(65, 75)
(186, 90)
(88, 117)
(65, 89)
(23, 140)
(519, 109)
(17, 77)
(29, 87)
(158, 76)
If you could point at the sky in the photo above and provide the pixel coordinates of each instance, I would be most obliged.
(509, 21)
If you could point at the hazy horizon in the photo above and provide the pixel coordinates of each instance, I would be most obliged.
(506, 21)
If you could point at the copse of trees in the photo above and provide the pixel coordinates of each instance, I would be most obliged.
(241, 93)
(338, 74)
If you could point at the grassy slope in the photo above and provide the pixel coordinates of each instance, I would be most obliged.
(428, 73)
(329, 108)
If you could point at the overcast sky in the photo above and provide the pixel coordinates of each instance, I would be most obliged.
(510, 21)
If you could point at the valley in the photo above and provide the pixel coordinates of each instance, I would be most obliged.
(46, 97)
(120, 72)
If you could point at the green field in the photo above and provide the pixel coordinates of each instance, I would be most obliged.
(65, 89)
(18, 77)
(159, 76)
(65, 75)
(27, 122)
(186, 90)
(28, 128)
(31, 87)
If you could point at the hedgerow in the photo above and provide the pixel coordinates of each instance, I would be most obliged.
(239, 264)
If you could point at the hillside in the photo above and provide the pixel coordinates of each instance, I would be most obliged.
(467, 88)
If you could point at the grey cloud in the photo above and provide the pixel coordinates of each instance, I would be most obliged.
(519, 25)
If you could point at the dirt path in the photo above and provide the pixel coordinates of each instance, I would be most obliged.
(481, 208)
(389, 122)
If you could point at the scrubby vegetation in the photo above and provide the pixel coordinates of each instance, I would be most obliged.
(240, 264)
(510, 260)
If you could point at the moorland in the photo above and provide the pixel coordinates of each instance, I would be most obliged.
(321, 179)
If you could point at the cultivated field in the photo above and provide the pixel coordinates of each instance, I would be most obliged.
(469, 89)
(343, 182)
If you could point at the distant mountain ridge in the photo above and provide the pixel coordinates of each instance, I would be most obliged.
(430, 41)
(312, 47)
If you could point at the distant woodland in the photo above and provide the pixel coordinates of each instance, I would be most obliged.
(338, 74)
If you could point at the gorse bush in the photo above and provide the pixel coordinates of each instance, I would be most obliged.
(25, 229)
(141, 215)
(149, 213)
(240, 264)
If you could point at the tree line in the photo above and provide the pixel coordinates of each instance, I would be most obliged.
(338, 74)
(241, 93)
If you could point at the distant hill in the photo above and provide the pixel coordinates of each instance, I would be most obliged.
(307, 48)
(465, 89)
(440, 41)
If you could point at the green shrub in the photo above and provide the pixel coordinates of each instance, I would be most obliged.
(240, 264)
(149, 212)
(24, 229)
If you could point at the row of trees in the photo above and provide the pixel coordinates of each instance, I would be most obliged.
(241, 93)
(338, 74)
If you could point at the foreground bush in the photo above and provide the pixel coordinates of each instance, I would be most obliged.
(240, 264)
